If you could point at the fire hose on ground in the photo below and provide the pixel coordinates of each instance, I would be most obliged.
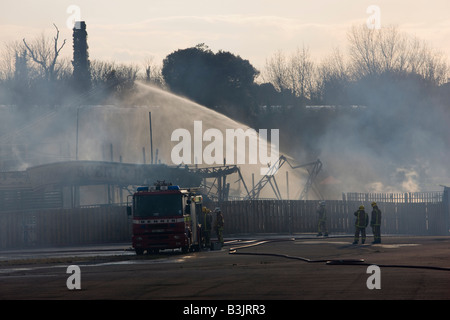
(357, 262)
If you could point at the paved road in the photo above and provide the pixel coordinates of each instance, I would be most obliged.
(36, 255)
(286, 269)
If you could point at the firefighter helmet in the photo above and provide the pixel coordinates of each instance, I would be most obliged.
(374, 204)
(361, 207)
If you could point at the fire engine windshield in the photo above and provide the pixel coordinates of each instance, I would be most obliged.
(158, 205)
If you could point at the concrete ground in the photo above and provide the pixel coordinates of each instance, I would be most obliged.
(284, 268)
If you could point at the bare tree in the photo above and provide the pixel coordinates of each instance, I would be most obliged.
(435, 68)
(45, 55)
(295, 73)
(332, 74)
(377, 51)
(276, 71)
(153, 72)
(113, 77)
(363, 50)
(301, 73)
(9, 54)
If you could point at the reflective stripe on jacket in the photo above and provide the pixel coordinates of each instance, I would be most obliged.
(376, 217)
(362, 219)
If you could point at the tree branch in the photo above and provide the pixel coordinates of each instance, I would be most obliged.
(33, 56)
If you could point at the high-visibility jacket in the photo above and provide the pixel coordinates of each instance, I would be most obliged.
(362, 218)
(376, 217)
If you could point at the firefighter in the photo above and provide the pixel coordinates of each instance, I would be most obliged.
(375, 223)
(218, 225)
(361, 222)
(322, 225)
(207, 222)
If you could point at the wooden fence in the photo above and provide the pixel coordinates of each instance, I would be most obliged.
(59, 227)
(108, 224)
(298, 216)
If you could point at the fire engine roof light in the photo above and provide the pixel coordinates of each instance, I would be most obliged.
(142, 189)
(173, 188)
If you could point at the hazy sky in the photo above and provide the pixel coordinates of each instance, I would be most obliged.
(133, 30)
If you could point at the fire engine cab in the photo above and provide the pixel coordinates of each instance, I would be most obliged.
(165, 216)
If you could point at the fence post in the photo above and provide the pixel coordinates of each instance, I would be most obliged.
(446, 201)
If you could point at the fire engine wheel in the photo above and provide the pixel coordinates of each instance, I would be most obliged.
(139, 251)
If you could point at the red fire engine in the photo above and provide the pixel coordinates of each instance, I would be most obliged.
(165, 216)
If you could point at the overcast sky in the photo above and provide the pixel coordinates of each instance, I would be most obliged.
(134, 30)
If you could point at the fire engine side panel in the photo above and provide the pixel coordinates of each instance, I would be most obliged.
(167, 233)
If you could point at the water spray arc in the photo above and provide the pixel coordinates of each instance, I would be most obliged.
(88, 130)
